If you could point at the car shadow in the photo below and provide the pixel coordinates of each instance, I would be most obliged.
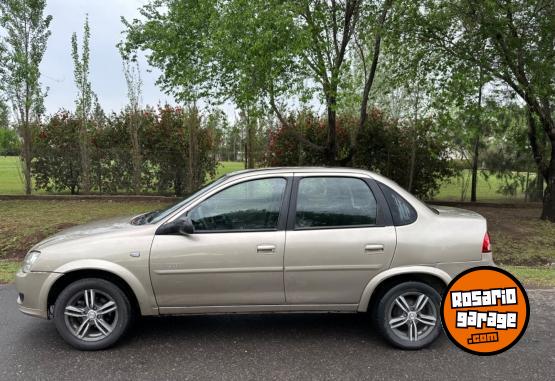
(274, 327)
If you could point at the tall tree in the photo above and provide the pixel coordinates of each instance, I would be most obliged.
(134, 83)
(258, 52)
(517, 36)
(23, 45)
(84, 101)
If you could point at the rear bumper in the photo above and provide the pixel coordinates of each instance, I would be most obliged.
(455, 268)
(33, 289)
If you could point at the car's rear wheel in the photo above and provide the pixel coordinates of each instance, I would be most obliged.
(408, 315)
(92, 314)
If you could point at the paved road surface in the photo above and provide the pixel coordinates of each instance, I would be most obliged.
(241, 347)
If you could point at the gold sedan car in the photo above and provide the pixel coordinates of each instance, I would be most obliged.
(271, 240)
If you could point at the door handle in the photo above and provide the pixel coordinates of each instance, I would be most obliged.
(373, 248)
(266, 249)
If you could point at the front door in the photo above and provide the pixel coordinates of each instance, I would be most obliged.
(337, 240)
(235, 255)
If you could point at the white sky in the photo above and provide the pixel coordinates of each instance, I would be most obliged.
(106, 73)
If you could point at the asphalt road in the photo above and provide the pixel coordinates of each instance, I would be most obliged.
(307, 346)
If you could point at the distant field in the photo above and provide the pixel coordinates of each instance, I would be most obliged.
(487, 190)
(11, 182)
(11, 177)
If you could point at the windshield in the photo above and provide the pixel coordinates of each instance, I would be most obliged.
(156, 216)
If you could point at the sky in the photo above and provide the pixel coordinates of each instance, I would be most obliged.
(106, 72)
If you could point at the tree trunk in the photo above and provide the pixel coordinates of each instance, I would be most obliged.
(475, 159)
(136, 152)
(192, 164)
(414, 140)
(85, 159)
(27, 156)
(548, 210)
(250, 144)
(331, 151)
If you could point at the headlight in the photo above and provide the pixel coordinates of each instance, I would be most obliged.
(29, 260)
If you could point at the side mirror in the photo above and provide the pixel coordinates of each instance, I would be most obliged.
(182, 226)
(186, 226)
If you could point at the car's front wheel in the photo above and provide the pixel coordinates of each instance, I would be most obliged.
(408, 315)
(92, 314)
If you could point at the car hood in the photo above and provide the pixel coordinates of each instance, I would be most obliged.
(100, 227)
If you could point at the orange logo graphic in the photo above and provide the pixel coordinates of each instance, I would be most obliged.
(485, 310)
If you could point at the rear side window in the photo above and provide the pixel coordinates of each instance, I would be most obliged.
(334, 202)
(402, 212)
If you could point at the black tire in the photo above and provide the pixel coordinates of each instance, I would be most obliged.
(387, 306)
(121, 319)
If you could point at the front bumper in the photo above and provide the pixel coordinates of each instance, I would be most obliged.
(32, 289)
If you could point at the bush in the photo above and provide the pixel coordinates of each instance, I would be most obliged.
(284, 149)
(9, 142)
(164, 138)
(383, 145)
(56, 166)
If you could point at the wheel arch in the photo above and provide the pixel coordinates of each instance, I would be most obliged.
(141, 298)
(430, 275)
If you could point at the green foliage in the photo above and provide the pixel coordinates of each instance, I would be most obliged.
(284, 148)
(22, 48)
(9, 142)
(56, 150)
(383, 146)
(164, 137)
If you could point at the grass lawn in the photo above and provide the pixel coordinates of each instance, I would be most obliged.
(25, 223)
(11, 176)
(486, 189)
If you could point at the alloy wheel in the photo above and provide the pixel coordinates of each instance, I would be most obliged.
(91, 315)
(412, 316)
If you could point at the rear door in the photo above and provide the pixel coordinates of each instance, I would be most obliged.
(339, 235)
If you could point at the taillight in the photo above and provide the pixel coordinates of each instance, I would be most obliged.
(486, 244)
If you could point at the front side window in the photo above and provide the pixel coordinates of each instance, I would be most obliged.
(334, 202)
(252, 205)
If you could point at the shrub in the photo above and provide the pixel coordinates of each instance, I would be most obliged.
(383, 145)
(9, 142)
(164, 138)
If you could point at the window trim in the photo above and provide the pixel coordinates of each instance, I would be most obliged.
(282, 218)
(383, 214)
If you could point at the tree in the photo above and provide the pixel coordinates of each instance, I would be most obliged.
(517, 38)
(256, 52)
(84, 102)
(134, 83)
(22, 48)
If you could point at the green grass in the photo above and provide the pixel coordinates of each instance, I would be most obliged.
(543, 277)
(8, 268)
(26, 222)
(11, 177)
(486, 188)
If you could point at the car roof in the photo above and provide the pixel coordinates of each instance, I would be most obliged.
(271, 170)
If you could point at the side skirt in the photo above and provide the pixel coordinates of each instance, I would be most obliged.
(278, 308)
